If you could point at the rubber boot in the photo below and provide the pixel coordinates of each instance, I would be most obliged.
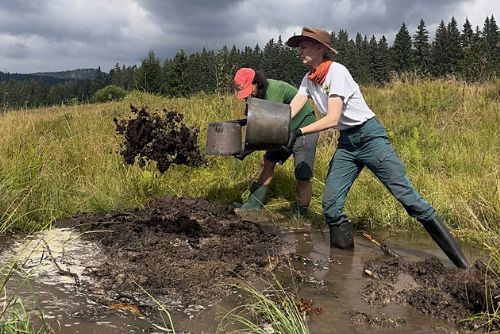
(256, 199)
(301, 211)
(445, 241)
(342, 235)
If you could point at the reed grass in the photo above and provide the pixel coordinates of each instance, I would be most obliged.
(273, 310)
(56, 162)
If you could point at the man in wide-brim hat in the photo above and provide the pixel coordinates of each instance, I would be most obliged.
(311, 34)
(363, 142)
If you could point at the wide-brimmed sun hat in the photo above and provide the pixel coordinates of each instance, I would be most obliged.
(314, 34)
(243, 82)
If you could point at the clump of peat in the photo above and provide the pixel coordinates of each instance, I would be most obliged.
(165, 140)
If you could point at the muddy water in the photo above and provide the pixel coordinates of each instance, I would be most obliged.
(341, 272)
(334, 281)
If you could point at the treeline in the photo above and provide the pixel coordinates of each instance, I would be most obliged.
(471, 54)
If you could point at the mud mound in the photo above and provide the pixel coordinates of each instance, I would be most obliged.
(182, 251)
(443, 292)
(165, 140)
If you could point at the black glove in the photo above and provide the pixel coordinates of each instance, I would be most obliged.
(242, 121)
(292, 138)
(242, 155)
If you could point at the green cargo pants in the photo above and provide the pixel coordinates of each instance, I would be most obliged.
(368, 145)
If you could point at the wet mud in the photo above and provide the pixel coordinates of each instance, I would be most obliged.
(185, 252)
(433, 288)
(164, 139)
(188, 253)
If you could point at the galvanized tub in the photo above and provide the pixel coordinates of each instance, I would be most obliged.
(268, 124)
(223, 138)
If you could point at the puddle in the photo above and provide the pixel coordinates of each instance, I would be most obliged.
(56, 256)
(341, 273)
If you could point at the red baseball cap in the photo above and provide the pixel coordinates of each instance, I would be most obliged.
(243, 82)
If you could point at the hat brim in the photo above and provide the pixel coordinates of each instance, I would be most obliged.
(245, 92)
(294, 42)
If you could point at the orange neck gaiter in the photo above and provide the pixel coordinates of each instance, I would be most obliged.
(319, 73)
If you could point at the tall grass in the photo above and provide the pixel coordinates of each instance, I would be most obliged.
(20, 321)
(272, 311)
(56, 162)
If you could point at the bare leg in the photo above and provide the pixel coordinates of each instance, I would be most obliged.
(266, 172)
(304, 192)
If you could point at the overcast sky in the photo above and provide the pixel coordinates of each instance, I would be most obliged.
(55, 35)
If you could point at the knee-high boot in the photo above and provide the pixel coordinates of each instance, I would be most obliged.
(442, 236)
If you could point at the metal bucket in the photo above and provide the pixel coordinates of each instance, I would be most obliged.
(223, 138)
(268, 124)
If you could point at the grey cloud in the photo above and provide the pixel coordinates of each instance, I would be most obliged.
(22, 6)
(225, 21)
(396, 12)
(103, 33)
(194, 17)
(17, 51)
(35, 19)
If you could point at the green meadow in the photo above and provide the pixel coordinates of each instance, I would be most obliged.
(60, 161)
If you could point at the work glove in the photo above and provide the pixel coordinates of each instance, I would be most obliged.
(291, 139)
(242, 121)
(242, 155)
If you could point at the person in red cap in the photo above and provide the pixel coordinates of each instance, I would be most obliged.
(249, 82)
(363, 142)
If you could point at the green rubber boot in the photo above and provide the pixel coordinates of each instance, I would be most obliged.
(301, 211)
(256, 199)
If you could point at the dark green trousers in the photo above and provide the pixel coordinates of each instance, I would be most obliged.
(367, 145)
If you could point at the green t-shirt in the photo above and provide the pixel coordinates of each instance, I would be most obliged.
(282, 92)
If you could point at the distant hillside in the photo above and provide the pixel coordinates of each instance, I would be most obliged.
(28, 77)
(84, 73)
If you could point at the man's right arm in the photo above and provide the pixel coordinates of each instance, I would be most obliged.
(297, 103)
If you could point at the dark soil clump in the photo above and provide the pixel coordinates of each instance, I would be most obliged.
(165, 140)
(181, 250)
(430, 287)
(381, 321)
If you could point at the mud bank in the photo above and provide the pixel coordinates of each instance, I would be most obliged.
(182, 251)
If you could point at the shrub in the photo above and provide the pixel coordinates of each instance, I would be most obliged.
(108, 94)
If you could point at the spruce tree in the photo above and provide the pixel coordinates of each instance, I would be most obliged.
(455, 53)
(469, 59)
(440, 61)
(176, 83)
(422, 49)
(149, 76)
(491, 43)
(100, 80)
(383, 70)
(270, 59)
(361, 69)
(373, 64)
(401, 50)
(467, 35)
(342, 47)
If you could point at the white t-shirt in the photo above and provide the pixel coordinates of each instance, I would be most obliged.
(339, 82)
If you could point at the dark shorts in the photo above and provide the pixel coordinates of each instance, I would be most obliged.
(304, 153)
